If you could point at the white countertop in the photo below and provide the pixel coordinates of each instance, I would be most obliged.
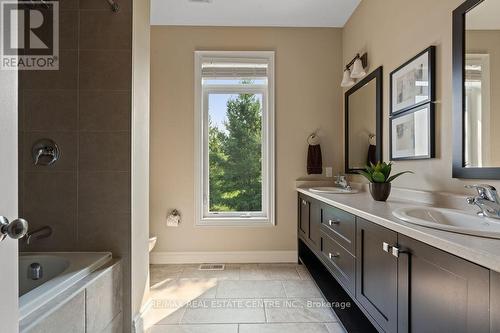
(482, 251)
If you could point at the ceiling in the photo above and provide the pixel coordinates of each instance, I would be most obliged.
(484, 16)
(255, 13)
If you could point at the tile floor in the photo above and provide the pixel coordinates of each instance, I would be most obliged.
(247, 298)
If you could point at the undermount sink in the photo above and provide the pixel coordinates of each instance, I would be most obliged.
(450, 220)
(332, 190)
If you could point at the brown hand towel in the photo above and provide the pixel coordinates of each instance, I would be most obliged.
(314, 160)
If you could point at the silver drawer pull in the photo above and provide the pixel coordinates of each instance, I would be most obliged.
(386, 247)
(332, 222)
(331, 256)
(304, 202)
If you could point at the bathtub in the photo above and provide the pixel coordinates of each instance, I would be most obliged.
(60, 270)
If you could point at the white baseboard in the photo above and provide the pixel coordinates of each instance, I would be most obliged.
(233, 257)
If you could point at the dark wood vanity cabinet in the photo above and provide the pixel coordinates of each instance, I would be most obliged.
(377, 274)
(401, 284)
(309, 221)
(439, 292)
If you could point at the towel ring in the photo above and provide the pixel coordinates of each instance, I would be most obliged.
(311, 137)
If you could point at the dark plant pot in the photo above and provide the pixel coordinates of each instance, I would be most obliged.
(380, 191)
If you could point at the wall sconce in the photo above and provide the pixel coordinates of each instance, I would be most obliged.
(355, 69)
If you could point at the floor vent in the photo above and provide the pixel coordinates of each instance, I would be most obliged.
(211, 267)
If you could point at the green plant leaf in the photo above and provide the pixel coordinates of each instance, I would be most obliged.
(397, 175)
(386, 170)
(367, 175)
(378, 177)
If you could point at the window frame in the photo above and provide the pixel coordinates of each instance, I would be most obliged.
(202, 215)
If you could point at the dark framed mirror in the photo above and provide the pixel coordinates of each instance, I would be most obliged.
(476, 86)
(363, 122)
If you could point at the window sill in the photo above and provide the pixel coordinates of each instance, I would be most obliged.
(235, 222)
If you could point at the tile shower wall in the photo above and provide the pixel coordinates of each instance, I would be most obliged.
(85, 107)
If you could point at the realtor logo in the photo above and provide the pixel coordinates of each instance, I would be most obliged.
(29, 35)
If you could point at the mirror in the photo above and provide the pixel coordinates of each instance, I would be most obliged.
(476, 48)
(363, 122)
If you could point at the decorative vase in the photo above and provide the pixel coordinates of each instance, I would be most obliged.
(380, 191)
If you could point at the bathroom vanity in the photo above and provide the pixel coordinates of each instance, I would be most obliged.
(403, 277)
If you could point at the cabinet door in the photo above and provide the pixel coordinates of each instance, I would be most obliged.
(439, 292)
(315, 224)
(304, 217)
(377, 274)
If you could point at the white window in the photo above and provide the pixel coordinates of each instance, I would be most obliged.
(234, 117)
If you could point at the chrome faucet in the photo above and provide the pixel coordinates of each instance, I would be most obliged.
(341, 181)
(42, 232)
(487, 200)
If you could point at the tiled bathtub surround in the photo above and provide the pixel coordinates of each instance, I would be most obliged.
(263, 298)
(85, 107)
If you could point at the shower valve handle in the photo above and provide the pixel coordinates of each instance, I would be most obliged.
(15, 229)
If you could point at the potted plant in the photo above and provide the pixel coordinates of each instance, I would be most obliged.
(380, 179)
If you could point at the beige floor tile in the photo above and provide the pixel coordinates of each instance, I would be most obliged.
(225, 328)
(280, 271)
(299, 310)
(184, 289)
(159, 273)
(252, 272)
(284, 328)
(335, 328)
(250, 289)
(303, 273)
(162, 313)
(220, 311)
(301, 289)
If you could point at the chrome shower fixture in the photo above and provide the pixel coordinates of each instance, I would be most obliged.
(45, 152)
(114, 6)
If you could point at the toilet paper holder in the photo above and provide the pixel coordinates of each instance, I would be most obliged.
(173, 218)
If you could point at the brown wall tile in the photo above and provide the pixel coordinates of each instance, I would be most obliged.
(105, 30)
(68, 4)
(50, 110)
(104, 192)
(50, 199)
(105, 70)
(68, 30)
(104, 151)
(103, 231)
(124, 5)
(104, 111)
(64, 78)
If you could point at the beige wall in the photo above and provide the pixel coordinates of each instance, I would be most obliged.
(393, 31)
(308, 71)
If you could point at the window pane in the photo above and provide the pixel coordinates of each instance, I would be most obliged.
(235, 152)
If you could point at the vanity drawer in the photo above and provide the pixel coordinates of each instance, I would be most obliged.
(341, 263)
(339, 225)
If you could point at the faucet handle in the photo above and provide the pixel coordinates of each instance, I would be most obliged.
(485, 191)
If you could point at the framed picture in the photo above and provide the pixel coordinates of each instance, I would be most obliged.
(412, 134)
(413, 83)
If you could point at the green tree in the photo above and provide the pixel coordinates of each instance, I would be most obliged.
(217, 158)
(236, 157)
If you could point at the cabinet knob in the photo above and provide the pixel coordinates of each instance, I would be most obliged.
(332, 222)
(335, 255)
(304, 202)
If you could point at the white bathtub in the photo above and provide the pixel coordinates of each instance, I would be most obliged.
(60, 270)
